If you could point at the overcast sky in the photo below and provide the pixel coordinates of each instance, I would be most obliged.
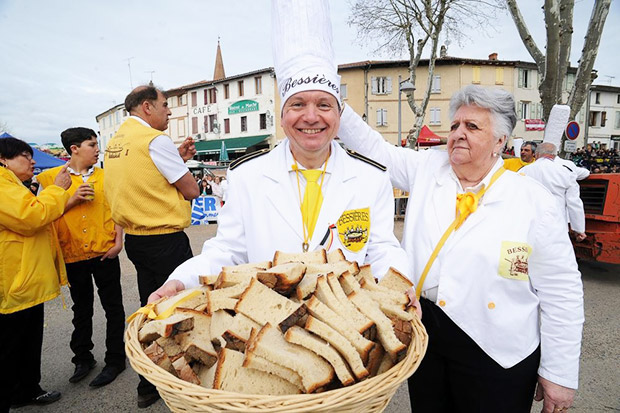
(66, 61)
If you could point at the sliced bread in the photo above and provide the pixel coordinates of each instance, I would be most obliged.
(230, 375)
(299, 336)
(283, 277)
(310, 257)
(196, 343)
(154, 329)
(394, 347)
(269, 343)
(264, 305)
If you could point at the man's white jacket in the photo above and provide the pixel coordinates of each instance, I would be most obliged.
(262, 214)
(561, 182)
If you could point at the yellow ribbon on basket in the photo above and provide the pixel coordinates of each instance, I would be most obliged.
(149, 309)
(466, 204)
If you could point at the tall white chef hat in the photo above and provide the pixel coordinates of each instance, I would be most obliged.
(556, 124)
(302, 48)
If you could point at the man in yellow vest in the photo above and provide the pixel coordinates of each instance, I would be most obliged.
(90, 243)
(149, 190)
(527, 157)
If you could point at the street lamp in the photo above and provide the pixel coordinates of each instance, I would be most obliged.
(407, 87)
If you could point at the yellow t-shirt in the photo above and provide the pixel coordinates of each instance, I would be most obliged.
(514, 164)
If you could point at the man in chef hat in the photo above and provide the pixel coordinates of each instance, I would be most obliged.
(307, 193)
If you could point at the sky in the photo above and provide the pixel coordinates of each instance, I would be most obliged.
(66, 61)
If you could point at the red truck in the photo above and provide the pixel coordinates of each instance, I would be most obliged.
(600, 194)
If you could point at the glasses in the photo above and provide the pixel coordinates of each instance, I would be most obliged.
(26, 155)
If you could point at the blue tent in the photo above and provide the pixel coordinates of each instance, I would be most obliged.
(42, 159)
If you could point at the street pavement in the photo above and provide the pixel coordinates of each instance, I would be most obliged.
(600, 361)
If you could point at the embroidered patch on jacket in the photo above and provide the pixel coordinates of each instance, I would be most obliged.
(513, 260)
(354, 228)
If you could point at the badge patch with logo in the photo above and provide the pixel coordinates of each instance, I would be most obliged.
(513, 260)
(354, 228)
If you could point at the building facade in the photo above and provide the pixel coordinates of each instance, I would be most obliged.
(603, 126)
(371, 88)
(236, 110)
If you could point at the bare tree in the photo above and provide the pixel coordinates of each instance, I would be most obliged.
(553, 65)
(411, 25)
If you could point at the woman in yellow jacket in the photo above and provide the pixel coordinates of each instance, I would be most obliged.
(31, 272)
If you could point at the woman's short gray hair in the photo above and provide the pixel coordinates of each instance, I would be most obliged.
(499, 102)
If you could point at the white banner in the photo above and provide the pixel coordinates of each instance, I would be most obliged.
(205, 209)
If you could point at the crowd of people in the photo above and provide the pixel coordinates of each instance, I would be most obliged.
(502, 304)
(597, 160)
(214, 185)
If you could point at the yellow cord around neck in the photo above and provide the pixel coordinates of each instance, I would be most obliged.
(306, 216)
(466, 205)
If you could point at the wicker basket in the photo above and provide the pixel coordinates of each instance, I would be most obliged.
(372, 395)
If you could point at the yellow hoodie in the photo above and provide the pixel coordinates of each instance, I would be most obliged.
(31, 265)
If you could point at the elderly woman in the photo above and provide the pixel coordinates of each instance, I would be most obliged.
(31, 271)
(502, 303)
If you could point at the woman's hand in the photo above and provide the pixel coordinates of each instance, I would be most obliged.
(413, 302)
(63, 179)
(555, 398)
(169, 289)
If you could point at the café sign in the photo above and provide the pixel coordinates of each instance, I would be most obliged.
(243, 106)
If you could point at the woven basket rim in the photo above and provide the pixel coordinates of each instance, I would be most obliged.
(188, 394)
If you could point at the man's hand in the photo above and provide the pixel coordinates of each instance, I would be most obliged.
(413, 302)
(83, 193)
(63, 179)
(555, 398)
(187, 149)
(169, 289)
(580, 236)
(112, 252)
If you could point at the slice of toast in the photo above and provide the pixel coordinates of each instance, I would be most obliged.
(154, 329)
(269, 343)
(196, 343)
(310, 257)
(340, 343)
(329, 292)
(220, 321)
(262, 265)
(253, 361)
(325, 314)
(158, 356)
(283, 277)
(185, 371)
(239, 332)
(396, 281)
(335, 256)
(263, 305)
(230, 375)
(299, 336)
(230, 278)
(394, 347)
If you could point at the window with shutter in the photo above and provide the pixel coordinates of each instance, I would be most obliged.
(436, 86)
(389, 85)
(476, 74)
(373, 83)
(499, 75)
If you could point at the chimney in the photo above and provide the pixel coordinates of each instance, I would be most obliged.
(218, 73)
(493, 56)
(443, 51)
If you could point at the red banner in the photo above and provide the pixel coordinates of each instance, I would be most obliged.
(534, 124)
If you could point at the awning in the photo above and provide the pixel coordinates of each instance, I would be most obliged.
(232, 144)
(428, 138)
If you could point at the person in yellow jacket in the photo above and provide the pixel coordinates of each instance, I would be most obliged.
(526, 157)
(90, 243)
(31, 272)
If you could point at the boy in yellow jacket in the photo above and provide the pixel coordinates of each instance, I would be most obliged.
(90, 243)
